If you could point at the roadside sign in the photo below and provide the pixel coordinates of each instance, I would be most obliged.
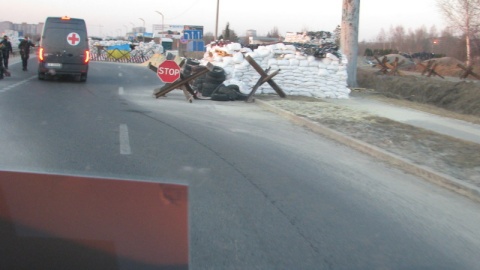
(192, 34)
(168, 71)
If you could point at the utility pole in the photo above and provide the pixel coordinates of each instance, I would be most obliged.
(349, 38)
(144, 30)
(216, 22)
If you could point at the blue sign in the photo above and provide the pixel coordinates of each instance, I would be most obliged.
(196, 46)
(192, 34)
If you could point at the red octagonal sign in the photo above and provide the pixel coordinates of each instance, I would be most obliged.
(168, 71)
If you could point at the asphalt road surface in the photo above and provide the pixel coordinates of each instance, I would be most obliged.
(264, 193)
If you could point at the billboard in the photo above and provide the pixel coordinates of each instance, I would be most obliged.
(175, 31)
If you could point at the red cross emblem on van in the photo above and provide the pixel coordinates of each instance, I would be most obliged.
(73, 39)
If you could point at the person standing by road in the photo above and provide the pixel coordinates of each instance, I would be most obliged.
(3, 70)
(6, 50)
(24, 47)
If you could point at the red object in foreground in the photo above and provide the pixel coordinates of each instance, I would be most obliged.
(168, 71)
(70, 222)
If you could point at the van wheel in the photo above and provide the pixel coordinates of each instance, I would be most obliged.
(41, 76)
(83, 77)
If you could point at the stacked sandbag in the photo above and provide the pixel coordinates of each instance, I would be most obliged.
(300, 74)
(297, 37)
(141, 48)
(229, 92)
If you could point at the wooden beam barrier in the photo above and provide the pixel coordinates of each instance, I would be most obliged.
(467, 71)
(264, 78)
(426, 68)
(394, 67)
(183, 83)
(429, 69)
(382, 64)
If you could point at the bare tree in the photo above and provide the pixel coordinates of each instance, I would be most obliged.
(382, 37)
(398, 38)
(208, 37)
(463, 15)
(349, 39)
(229, 34)
(422, 41)
(274, 33)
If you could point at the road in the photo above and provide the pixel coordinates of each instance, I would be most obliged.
(264, 193)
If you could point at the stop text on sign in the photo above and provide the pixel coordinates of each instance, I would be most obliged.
(168, 71)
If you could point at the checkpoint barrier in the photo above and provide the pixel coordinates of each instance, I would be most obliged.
(103, 53)
(264, 78)
(429, 69)
(467, 72)
(184, 82)
(117, 54)
(387, 68)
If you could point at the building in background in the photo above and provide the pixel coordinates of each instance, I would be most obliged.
(179, 37)
(23, 29)
(251, 33)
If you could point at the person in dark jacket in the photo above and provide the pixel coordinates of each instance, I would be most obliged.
(6, 50)
(3, 70)
(24, 47)
(1, 62)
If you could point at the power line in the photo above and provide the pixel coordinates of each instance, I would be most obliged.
(185, 11)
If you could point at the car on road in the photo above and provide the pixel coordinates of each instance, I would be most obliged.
(64, 48)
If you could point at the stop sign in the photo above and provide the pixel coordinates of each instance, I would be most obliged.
(168, 71)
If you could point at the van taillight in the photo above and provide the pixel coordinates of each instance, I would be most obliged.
(86, 57)
(41, 56)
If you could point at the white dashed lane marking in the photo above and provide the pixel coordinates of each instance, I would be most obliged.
(9, 87)
(124, 140)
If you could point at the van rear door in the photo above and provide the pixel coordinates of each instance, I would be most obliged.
(64, 46)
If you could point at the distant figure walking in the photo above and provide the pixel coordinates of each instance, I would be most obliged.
(3, 70)
(24, 47)
(6, 50)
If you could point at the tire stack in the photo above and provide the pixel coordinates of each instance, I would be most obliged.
(197, 84)
(189, 66)
(212, 80)
(211, 84)
(228, 93)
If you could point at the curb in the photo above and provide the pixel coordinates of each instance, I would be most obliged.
(443, 180)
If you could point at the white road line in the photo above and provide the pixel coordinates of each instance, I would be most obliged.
(124, 140)
(121, 91)
(9, 87)
(120, 74)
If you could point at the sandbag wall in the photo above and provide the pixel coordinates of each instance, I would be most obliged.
(300, 74)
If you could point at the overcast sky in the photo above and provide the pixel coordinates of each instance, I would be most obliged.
(111, 17)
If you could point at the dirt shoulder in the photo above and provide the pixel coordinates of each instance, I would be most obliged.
(458, 96)
(453, 157)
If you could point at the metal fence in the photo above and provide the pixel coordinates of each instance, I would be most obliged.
(101, 53)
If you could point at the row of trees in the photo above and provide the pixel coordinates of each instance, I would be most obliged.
(420, 40)
(459, 39)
